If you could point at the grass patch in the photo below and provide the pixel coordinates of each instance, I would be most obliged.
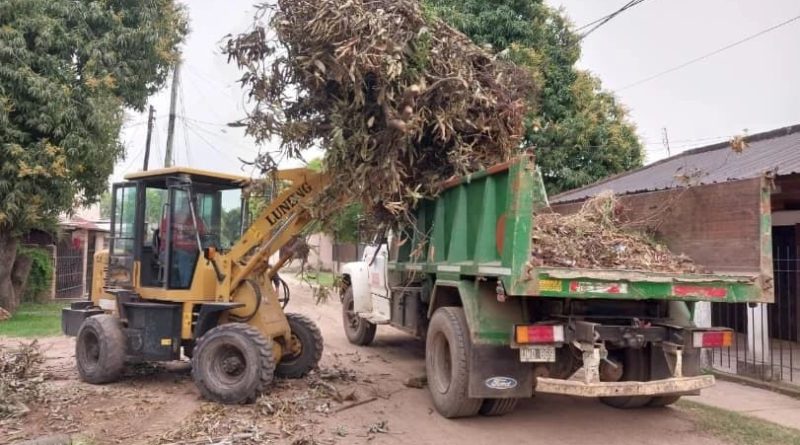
(738, 428)
(34, 320)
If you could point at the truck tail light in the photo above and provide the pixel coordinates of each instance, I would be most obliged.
(539, 333)
(712, 339)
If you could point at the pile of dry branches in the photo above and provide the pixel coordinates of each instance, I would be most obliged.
(595, 238)
(20, 379)
(397, 99)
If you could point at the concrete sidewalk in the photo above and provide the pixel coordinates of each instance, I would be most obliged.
(761, 403)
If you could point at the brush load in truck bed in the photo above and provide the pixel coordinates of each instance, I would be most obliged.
(484, 225)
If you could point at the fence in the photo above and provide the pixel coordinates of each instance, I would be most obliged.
(767, 340)
(69, 270)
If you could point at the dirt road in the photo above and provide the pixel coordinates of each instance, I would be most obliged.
(161, 405)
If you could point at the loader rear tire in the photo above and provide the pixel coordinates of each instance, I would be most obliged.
(307, 340)
(498, 407)
(100, 349)
(447, 354)
(635, 368)
(359, 331)
(233, 363)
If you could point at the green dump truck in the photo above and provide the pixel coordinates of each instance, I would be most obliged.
(498, 329)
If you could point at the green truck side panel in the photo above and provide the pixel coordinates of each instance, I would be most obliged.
(490, 321)
(464, 234)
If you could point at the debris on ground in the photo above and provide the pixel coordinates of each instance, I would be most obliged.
(596, 238)
(418, 382)
(379, 427)
(288, 411)
(4, 315)
(21, 379)
(398, 100)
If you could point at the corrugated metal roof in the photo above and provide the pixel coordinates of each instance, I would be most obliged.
(777, 150)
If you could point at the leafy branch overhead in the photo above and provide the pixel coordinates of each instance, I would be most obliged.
(397, 99)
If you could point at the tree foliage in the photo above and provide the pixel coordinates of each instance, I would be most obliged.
(67, 70)
(580, 131)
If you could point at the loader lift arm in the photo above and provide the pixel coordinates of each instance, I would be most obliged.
(278, 223)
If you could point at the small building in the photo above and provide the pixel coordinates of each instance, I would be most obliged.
(767, 345)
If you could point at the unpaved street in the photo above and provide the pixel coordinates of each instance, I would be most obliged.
(161, 405)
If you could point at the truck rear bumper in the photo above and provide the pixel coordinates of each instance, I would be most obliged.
(670, 386)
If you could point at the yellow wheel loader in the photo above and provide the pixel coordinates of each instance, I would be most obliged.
(188, 269)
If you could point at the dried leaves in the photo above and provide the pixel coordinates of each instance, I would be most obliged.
(20, 379)
(594, 238)
(397, 99)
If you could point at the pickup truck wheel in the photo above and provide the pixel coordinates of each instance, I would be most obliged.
(233, 363)
(100, 349)
(447, 352)
(498, 407)
(307, 346)
(635, 368)
(359, 331)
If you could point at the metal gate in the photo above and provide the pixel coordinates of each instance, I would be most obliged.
(767, 341)
(69, 270)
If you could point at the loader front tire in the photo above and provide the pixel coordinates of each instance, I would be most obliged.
(359, 331)
(307, 346)
(233, 363)
(100, 349)
(447, 354)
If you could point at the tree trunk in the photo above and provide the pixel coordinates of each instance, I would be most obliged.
(19, 275)
(8, 253)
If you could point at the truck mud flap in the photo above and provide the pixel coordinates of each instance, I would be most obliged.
(496, 372)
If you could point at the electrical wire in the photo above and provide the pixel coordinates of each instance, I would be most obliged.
(707, 55)
(603, 20)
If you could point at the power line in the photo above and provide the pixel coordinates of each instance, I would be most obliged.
(603, 20)
(707, 55)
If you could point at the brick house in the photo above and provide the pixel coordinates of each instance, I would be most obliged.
(706, 203)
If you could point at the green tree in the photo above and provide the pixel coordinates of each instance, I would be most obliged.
(579, 131)
(67, 70)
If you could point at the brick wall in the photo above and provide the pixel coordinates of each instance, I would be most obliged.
(717, 225)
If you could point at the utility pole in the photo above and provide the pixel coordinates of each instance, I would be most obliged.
(150, 120)
(665, 140)
(173, 99)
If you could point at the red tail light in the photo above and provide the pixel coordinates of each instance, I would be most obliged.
(539, 334)
(712, 339)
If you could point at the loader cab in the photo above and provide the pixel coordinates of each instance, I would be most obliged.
(162, 220)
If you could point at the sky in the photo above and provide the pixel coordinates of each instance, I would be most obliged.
(752, 87)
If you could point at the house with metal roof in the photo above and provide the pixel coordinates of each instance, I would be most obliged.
(717, 188)
(775, 151)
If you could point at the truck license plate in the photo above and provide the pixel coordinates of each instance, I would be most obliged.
(537, 353)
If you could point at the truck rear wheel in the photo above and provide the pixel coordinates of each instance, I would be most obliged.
(447, 352)
(100, 349)
(635, 368)
(307, 347)
(498, 407)
(233, 363)
(359, 331)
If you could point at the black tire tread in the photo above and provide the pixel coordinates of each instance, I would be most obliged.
(109, 331)
(366, 332)
(636, 367)
(459, 404)
(266, 372)
(303, 322)
(498, 407)
(662, 401)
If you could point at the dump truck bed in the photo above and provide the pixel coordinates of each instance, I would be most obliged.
(481, 225)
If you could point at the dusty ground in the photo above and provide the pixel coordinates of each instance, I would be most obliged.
(158, 405)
